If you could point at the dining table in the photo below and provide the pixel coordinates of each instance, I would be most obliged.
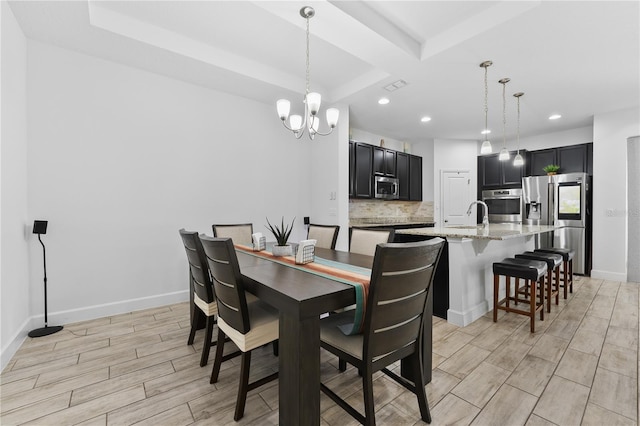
(301, 298)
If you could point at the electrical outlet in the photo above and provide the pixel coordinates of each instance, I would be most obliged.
(332, 212)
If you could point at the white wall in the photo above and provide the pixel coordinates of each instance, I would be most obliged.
(120, 159)
(374, 139)
(610, 133)
(329, 171)
(453, 155)
(14, 249)
(424, 149)
(548, 140)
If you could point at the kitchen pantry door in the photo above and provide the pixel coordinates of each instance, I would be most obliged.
(455, 193)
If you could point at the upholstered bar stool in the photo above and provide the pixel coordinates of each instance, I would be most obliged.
(567, 266)
(533, 272)
(553, 269)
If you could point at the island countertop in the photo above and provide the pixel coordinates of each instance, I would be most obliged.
(495, 231)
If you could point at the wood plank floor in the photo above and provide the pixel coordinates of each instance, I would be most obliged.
(580, 367)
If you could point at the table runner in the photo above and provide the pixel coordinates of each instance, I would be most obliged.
(355, 276)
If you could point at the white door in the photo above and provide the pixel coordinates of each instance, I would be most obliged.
(455, 190)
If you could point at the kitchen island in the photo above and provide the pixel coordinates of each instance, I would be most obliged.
(472, 252)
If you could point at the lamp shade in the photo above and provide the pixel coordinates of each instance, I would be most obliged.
(486, 148)
(283, 106)
(518, 160)
(504, 155)
(313, 102)
(295, 121)
(332, 117)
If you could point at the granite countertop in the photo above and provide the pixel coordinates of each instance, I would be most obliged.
(495, 231)
(390, 221)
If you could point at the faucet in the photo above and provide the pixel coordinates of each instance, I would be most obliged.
(485, 218)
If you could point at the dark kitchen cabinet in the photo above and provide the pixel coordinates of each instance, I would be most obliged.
(362, 170)
(352, 159)
(541, 158)
(384, 162)
(571, 159)
(415, 178)
(402, 173)
(493, 173)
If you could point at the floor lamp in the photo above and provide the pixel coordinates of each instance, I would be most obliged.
(40, 227)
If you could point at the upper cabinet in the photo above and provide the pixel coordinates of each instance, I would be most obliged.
(493, 173)
(362, 170)
(384, 162)
(367, 161)
(571, 159)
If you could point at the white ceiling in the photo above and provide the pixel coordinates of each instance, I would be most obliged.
(576, 58)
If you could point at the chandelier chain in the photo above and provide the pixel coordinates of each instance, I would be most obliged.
(308, 60)
(486, 105)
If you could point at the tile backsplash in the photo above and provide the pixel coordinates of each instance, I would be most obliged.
(391, 210)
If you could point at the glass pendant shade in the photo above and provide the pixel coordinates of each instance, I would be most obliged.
(332, 117)
(295, 122)
(518, 160)
(486, 147)
(313, 102)
(283, 106)
(504, 154)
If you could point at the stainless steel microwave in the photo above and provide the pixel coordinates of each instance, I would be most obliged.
(386, 188)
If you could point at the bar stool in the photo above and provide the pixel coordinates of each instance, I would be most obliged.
(553, 268)
(532, 271)
(567, 266)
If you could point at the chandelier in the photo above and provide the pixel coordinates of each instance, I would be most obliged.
(310, 120)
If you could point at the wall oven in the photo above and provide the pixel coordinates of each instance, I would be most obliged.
(386, 188)
(505, 205)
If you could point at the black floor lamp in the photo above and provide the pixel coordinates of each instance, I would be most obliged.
(40, 227)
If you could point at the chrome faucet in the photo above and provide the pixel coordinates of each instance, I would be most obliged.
(485, 218)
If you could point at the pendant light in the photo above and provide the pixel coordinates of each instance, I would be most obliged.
(504, 154)
(310, 121)
(486, 145)
(518, 161)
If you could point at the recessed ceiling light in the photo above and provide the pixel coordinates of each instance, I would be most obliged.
(425, 119)
(383, 101)
(485, 131)
(554, 116)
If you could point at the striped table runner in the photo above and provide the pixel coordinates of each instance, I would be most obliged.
(355, 276)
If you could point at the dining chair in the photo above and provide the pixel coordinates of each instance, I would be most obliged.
(240, 233)
(325, 235)
(203, 294)
(248, 325)
(394, 321)
(365, 240)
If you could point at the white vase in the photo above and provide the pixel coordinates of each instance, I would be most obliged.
(281, 250)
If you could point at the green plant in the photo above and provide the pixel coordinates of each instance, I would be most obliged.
(282, 233)
(551, 168)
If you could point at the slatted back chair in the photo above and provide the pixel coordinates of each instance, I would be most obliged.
(248, 325)
(401, 280)
(365, 240)
(240, 233)
(203, 295)
(325, 235)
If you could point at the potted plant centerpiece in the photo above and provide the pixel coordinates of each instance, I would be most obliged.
(551, 169)
(281, 248)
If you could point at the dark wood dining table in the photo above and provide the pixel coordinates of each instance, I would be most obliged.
(301, 297)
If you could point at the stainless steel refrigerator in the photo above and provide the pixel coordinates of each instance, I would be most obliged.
(561, 200)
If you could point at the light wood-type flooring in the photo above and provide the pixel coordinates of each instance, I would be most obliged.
(580, 367)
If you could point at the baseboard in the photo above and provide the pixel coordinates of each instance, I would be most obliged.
(462, 319)
(88, 313)
(608, 275)
(14, 343)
